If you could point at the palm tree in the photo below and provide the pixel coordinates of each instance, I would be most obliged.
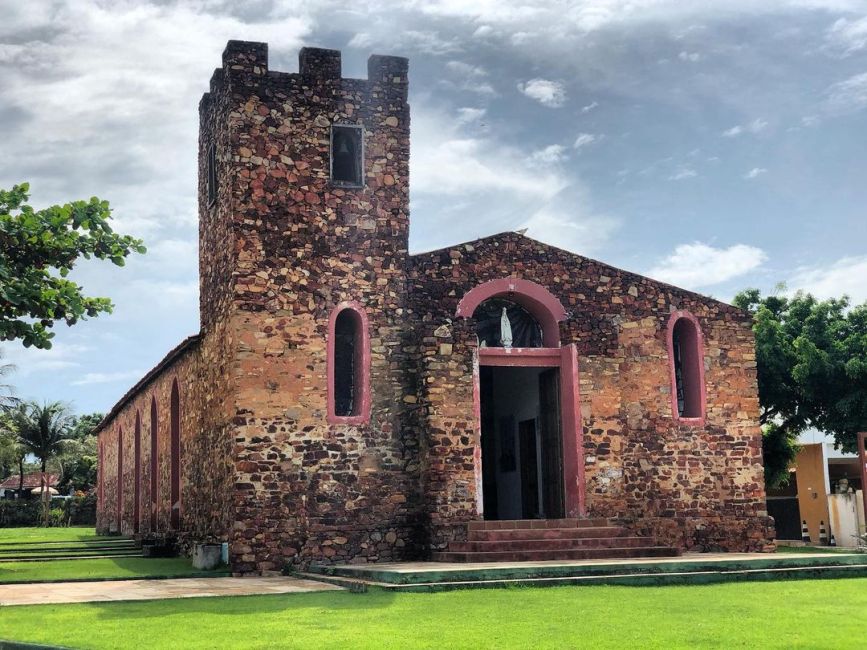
(7, 391)
(43, 431)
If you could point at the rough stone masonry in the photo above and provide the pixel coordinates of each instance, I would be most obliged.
(232, 437)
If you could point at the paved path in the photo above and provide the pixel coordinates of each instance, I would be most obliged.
(114, 590)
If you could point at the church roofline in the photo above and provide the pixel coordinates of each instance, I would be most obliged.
(166, 361)
(514, 234)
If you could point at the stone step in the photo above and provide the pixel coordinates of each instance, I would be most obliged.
(561, 554)
(551, 544)
(54, 558)
(510, 524)
(547, 533)
(66, 549)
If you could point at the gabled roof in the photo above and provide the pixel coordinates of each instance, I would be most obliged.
(32, 480)
(520, 237)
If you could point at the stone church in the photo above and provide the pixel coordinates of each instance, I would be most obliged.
(346, 401)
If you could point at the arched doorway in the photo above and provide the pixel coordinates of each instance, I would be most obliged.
(528, 457)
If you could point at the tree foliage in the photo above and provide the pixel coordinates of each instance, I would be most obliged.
(812, 372)
(76, 464)
(38, 249)
(43, 430)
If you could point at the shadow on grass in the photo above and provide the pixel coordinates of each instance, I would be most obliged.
(247, 607)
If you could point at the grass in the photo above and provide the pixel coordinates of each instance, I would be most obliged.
(33, 535)
(788, 614)
(814, 549)
(101, 568)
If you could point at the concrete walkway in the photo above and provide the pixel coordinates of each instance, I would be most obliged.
(116, 590)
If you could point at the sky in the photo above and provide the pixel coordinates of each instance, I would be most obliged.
(713, 145)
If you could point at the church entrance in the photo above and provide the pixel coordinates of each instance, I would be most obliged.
(521, 435)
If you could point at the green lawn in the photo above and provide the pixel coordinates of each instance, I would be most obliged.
(121, 567)
(31, 535)
(788, 614)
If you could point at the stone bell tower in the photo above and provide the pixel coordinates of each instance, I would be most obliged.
(304, 209)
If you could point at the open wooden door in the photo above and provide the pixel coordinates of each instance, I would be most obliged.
(551, 443)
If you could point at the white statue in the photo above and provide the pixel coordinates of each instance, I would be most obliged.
(505, 330)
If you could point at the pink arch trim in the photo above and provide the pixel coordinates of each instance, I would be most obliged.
(699, 351)
(535, 298)
(362, 369)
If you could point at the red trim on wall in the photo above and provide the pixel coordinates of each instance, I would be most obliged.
(175, 435)
(697, 370)
(362, 366)
(137, 474)
(541, 303)
(154, 464)
(119, 479)
(571, 426)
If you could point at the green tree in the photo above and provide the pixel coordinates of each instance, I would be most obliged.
(38, 249)
(76, 464)
(812, 372)
(43, 430)
(7, 391)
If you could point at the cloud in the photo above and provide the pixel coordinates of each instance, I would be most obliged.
(107, 377)
(691, 57)
(755, 172)
(847, 96)
(33, 361)
(682, 174)
(583, 140)
(467, 114)
(846, 36)
(465, 69)
(571, 229)
(756, 126)
(845, 276)
(552, 154)
(589, 107)
(546, 92)
(700, 265)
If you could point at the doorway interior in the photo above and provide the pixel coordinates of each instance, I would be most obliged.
(522, 457)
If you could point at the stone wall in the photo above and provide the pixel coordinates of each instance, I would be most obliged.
(205, 470)
(305, 489)
(696, 487)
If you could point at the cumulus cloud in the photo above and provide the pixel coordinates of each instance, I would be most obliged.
(468, 114)
(700, 265)
(756, 126)
(691, 57)
(682, 174)
(589, 107)
(847, 96)
(546, 92)
(845, 276)
(571, 229)
(847, 36)
(583, 140)
(552, 154)
(107, 377)
(755, 172)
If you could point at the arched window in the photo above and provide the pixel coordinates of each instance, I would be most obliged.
(501, 323)
(543, 307)
(137, 474)
(175, 423)
(100, 489)
(119, 479)
(348, 365)
(154, 464)
(687, 367)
